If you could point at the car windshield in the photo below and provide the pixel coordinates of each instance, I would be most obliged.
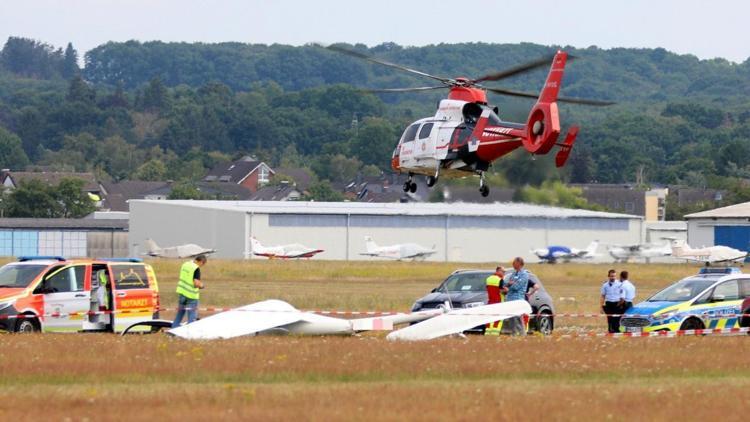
(465, 282)
(682, 290)
(19, 275)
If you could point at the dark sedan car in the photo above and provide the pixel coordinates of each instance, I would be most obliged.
(466, 289)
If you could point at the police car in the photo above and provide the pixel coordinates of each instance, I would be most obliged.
(711, 299)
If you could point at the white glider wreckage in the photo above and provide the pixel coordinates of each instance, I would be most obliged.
(279, 317)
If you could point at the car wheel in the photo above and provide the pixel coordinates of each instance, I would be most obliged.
(26, 325)
(692, 324)
(544, 323)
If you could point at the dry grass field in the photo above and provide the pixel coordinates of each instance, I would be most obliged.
(154, 377)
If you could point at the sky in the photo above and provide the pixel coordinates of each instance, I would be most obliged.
(702, 28)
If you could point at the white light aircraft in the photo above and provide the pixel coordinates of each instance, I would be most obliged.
(278, 317)
(551, 254)
(188, 250)
(291, 251)
(398, 252)
(624, 253)
(708, 255)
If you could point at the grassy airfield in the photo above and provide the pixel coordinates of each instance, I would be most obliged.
(106, 377)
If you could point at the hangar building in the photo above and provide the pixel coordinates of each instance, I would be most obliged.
(459, 232)
(728, 226)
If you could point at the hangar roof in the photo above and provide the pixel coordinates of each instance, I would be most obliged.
(459, 209)
(733, 211)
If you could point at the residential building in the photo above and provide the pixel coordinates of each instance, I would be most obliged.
(247, 171)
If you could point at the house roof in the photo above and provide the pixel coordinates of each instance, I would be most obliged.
(234, 171)
(689, 196)
(53, 178)
(302, 177)
(275, 193)
(733, 211)
(215, 189)
(118, 194)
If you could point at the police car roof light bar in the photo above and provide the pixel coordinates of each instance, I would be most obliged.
(40, 258)
(719, 270)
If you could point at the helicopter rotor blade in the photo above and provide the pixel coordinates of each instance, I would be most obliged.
(582, 101)
(415, 89)
(515, 70)
(385, 63)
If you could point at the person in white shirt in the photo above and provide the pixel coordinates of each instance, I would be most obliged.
(628, 292)
(611, 292)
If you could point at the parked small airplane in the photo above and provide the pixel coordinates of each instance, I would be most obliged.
(708, 255)
(278, 317)
(624, 253)
(551, 254)
(398, 252)
(294, 250)
(188, 250)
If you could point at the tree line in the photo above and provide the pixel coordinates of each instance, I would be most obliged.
(157, 111)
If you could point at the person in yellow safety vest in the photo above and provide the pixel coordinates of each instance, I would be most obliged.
(188, 290)
(495, 294)
(102, 296)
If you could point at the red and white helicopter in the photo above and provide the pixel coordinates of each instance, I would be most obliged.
(466, 135)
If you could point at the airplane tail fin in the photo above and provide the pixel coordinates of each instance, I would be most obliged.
(151, 246)
(591, 248)
(255, 244)
(370, 244)
(679, 247)
(543, 124)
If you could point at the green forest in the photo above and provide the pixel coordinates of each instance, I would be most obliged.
(157, 111)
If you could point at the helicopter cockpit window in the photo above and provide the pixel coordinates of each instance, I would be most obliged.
(410, 133)
(426, 130)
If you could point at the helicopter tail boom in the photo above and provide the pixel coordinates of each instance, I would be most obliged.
(543, 125)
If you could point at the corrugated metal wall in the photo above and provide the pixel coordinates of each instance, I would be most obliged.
(108, 244)
(66, 243)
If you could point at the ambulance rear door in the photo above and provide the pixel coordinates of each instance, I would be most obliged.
(132, 297)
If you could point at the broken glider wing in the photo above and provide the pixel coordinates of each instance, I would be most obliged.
(279, 317)
(459, 320)
(243, 321)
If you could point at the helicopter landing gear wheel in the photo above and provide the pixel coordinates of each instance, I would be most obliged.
(431, 180)
(483, 188)
(409, 185)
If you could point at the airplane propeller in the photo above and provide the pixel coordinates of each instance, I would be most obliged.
(454, 82)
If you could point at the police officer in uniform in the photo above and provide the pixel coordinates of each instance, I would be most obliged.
(610, 301)
(188, 292)
(628, 292)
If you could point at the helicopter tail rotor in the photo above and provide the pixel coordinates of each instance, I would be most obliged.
(543, 124)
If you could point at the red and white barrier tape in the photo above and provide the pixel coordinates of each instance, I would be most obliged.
(678, 333)
(326, 312)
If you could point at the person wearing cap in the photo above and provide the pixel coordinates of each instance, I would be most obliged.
(188, 290)
(495, 292)
(611, 293)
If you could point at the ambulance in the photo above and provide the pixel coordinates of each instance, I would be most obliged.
(54, 294)
(711, 299)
